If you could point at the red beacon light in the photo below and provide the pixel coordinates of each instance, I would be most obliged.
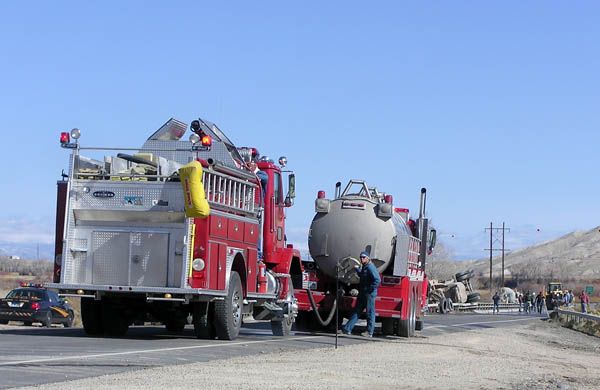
(65, 138)
(389, 199)
(321, 194)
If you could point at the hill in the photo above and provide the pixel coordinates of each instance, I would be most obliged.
(573, 256)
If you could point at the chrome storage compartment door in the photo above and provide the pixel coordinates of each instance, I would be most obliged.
(130, 258)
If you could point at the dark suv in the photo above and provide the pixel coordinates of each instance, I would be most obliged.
(35, 304)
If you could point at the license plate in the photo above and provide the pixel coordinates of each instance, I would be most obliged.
(16, 304)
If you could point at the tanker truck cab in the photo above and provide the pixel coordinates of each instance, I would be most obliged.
(361, 218)
(169, 231)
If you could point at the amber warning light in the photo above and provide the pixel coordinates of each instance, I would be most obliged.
(206, 140)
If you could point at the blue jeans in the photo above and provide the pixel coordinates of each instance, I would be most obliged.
(365, 300)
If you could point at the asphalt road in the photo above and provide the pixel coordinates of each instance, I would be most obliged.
(30, 355)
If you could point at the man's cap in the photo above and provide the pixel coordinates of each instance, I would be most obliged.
(364, 254)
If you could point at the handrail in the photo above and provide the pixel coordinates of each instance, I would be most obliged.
(579, 316)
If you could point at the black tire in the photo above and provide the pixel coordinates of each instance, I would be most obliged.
(450, 304)
(387, 326)
(175, 325)
(282, 328)
(473, 297)
(27, 323)
(462, 276)
(202, 318)
(228, 312)
(3, 322)
(443, 306)
(419, 324)
(114, 321)
(47, 319)
(91, 316)
(69, 321)
(406, 328)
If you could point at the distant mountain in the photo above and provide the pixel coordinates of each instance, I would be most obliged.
(27, 251)
(575, 255)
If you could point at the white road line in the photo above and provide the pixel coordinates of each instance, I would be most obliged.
(479, 323)
(153, 350)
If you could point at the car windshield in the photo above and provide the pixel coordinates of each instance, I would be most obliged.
(26, 294)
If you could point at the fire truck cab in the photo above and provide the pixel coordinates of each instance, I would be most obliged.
(127, 245)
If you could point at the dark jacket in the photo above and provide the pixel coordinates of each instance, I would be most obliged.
(496, 299)
(369, 278)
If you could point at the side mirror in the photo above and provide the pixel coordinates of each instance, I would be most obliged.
(432, 238)
(291, 186)
(288, 202)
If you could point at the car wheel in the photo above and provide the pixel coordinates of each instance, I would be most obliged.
(48, 320)
(69, 322)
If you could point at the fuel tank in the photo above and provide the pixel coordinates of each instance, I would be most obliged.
(356, 220)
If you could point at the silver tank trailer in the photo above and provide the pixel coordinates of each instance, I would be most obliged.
(359, 219)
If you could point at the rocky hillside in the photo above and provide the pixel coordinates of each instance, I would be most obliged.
(575, 255)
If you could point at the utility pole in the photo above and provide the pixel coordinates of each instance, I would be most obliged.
(496, 236)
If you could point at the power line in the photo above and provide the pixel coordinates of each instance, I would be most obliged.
(496, 237)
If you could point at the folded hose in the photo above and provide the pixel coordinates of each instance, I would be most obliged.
(315, 309)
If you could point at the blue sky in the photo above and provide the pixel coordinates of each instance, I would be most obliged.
(492, 107)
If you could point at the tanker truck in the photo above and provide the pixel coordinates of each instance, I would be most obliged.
(357, 219)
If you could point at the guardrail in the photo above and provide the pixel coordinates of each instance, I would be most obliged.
(577, 316)
(476, 306)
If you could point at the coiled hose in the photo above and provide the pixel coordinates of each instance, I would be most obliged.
(315, 309)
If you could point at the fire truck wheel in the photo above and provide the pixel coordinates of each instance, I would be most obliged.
(175, 325)
(419, 324)
(27, 323)
(228, 312)
(3, 322)
(202, 317)
(115, 323)
(406, 328)
(387, 326)
(91, 316)
(282, 328)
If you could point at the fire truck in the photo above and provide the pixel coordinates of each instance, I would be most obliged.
(131, 243)
(357, 219)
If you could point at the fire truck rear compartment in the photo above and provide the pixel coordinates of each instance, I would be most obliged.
(125, 239)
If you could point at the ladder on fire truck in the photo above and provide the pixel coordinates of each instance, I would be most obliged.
(228, 193)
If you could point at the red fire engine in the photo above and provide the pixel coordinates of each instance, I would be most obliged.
(129, 246)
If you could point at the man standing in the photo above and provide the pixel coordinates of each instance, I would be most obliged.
(369, 281)
(585, 301)
(496, 299)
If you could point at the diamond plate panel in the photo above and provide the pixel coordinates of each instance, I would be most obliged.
(110, 258)
(149, 259)
(156, 196)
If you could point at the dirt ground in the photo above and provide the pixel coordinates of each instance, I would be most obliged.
(537, 355)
